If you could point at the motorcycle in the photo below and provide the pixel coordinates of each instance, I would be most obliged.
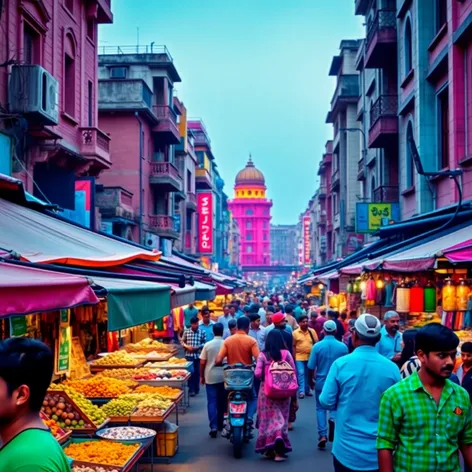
(239, 381)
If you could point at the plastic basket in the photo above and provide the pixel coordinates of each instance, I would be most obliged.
(238, 379)
(167, 443)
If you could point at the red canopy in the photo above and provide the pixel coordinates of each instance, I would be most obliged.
(25, 290)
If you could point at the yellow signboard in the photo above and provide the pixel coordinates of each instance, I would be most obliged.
(377, 212)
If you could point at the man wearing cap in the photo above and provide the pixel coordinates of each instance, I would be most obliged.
(353, 388)
(322, 356)
(390, 344)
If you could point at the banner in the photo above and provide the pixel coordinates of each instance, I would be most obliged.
(306, 241)
(63, 344)
(205, 222)
(370, 216)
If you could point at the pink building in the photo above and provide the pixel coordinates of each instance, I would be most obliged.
(50, 86)
(137, 109)
(251, 209)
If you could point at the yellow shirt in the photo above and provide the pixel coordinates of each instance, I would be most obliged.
(303, 343)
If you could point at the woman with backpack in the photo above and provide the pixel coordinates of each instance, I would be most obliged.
(276, 369)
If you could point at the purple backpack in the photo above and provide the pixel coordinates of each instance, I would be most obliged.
(280, 379)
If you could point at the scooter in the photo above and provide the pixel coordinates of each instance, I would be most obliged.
(238, 379)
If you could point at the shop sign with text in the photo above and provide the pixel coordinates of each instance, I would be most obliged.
(205, 222)
(306, 240)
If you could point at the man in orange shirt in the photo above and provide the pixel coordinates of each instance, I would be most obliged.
(241, 349)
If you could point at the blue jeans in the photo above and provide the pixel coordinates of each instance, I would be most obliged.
(216, 405)
(302, 374)
(252, 403)
(321, 416)
(194, 380)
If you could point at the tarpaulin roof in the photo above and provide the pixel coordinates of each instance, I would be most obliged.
(44, 239)
(204, 292)
(132, 302)
(420, 257)
(182, 295)
(25, 290)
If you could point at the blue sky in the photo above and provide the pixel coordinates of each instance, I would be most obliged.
(256, 71)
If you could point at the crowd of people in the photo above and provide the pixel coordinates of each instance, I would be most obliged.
(388, 401)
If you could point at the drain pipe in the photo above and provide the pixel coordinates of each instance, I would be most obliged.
(141, 202)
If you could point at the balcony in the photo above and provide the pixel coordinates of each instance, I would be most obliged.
(361, 7)
(163, 226)
(361, 169)
(322, 191)
(347, 91)
(167, 128)
(191, 201)
(335, 180)
(95, 145)
(116, 205)
(203, 179)
(383, 122)
(125, 95)
(104, 14)
(167, 176)
(322, 220)
(386, 194)
(381, 41)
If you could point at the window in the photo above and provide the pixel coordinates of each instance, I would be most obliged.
(443, 128)
(249, 248)
(118, 72)
(69, 5)
(90, 103)
(440, 14)
(249, 212)
(249, 192)
(264, 224)
(265, 237)
(31, 45)
(69, 85)
(91, 29)
(409, 164)
(249, 236)
(372, 189)
(189, 181)
(248, 224)
(408, 48)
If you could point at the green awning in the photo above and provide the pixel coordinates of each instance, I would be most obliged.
(132, 302)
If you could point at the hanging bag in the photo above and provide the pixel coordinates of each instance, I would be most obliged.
(281, 379)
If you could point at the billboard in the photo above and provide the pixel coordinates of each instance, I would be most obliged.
(84, 211)
(205, 222)
(370, 216)
(306, 241)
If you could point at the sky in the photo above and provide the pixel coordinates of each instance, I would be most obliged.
(256, 72)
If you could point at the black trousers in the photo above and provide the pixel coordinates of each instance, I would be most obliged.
(338, 467)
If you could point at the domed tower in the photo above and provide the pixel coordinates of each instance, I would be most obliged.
(251, 209)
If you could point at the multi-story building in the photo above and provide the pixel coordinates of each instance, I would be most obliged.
(234, 245)
(136, 108)
(435, 100)
(345, 191)
(283, 245)
(378, 102)
(251, 209)
(185, 209)
(48, 93)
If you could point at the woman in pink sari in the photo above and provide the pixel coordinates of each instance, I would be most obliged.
(272, 414)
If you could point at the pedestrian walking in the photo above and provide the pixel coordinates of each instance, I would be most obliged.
(213, 377)
(233, 328)
(190, 312)
(304, 338)
(391, 342)
(224, 319)
(319, 319)
(353, 388)
(26, 368)
(291, 318)
(334, 316)
(322, 357)
(273, 413)
(426, 419)
(193, 341)
(206, 324)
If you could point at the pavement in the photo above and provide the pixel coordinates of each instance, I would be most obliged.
(198, 452)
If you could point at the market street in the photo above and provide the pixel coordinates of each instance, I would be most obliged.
(200, 453)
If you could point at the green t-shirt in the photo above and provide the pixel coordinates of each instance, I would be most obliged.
(33, 450)
(189, 313)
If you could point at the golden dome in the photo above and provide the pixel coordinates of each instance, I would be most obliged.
(250, 175)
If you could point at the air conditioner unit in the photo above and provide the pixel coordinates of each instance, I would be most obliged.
(118, 72)
(152, 241)
(33, 92)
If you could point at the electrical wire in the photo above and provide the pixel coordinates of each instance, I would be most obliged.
(32, 179)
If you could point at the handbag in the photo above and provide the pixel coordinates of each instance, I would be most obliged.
(281, 379)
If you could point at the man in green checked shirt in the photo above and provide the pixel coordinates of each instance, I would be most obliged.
(426, 419)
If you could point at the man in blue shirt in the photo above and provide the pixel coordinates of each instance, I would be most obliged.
(322, 356)
(391, 340)
(206, 325)
(225, 319)
(353, 388)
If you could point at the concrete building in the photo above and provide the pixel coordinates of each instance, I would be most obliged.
(345, 189)
(283, 245)
(251, 209)
(48, 90)
(136, 108)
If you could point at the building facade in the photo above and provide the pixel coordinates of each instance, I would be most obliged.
(136, 108)
(346, 153)
(251, 209)
(283, 245)
(48, 90)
